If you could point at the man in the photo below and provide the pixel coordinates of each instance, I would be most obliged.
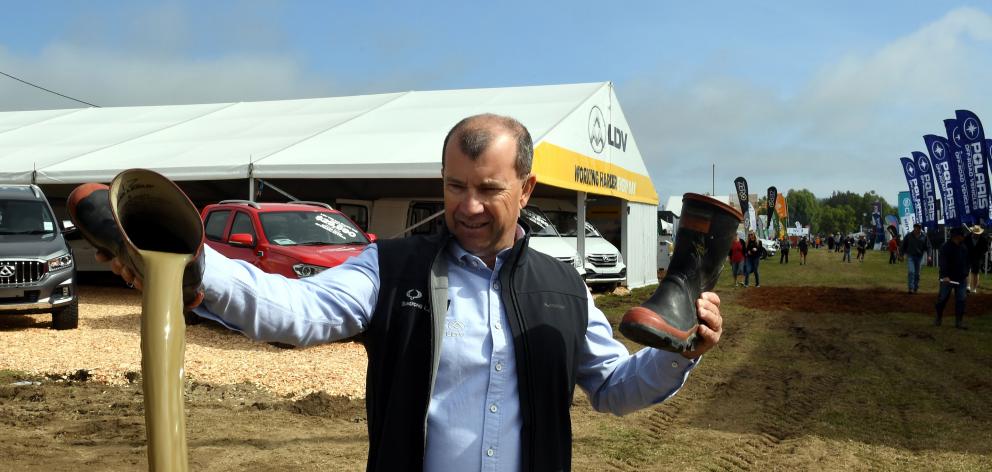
(803, 250)
(953, 277)
(752, 257)
(848, 242)
(914, 246)
(978, 247)
(862, 247)
(784, 247)
(475, 341)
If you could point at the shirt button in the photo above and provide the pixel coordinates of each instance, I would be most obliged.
(675, 364)
(490, 452)
(499, 367)
(493, 408)
(496, 285)
(498, 326)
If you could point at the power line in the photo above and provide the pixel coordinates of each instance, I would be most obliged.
(49, 91)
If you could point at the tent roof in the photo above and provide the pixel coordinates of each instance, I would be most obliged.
(394, 135)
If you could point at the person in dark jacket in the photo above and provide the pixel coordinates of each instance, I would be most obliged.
(978, 248)
(475, 341)
(803, 249)
(783, 248)
(752, 253)
(953, 264)
(914, 247)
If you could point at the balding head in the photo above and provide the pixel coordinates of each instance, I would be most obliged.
(474, 134)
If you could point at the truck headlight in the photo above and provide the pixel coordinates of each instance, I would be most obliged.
(60, 263)
(307, 270)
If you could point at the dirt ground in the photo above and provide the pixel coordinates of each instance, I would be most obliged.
(748, 410)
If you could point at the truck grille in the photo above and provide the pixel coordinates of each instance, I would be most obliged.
(603, 260)
(20, 273)
(567, 260)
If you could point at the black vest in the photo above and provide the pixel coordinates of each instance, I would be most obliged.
(545, 302)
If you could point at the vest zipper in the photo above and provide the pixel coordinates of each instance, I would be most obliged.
(526, 348)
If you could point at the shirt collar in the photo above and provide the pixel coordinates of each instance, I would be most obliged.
(457, 253)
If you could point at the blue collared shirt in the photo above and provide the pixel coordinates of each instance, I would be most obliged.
(473, 420)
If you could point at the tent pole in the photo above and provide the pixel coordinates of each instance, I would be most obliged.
(251, 182)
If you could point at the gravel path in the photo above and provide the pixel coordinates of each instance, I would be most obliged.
(107, 345)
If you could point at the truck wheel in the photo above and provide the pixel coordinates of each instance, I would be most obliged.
(66, 317)
(191, 318)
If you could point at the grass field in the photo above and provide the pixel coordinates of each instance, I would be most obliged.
(873, 387)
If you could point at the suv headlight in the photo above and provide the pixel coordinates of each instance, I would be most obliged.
(60, 262)
(307, 270)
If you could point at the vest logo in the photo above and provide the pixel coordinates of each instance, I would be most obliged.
(554, 306)
(596, 124)
(454, 329)
(412, 296)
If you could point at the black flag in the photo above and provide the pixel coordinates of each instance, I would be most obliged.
(772, 197)
(741, 186)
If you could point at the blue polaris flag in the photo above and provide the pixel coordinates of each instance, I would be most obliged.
(927, 195)
(975, 150)
(912, 180)
(962, 177)
(944, 169)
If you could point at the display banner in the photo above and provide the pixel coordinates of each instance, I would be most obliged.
(906, 215)
(770, 204)
(876, 221)
(966, 171)
(944, 169)
(971, 138)
(961, 171)
(913, 183)
(740, 186)
(927, 196)
(753, 219)
(781, 208)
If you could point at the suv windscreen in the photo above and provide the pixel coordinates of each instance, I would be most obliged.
(25, 217)
(540, 225)
(566, 221)
(309, 228)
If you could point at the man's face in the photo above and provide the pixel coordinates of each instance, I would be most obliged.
(483, 197)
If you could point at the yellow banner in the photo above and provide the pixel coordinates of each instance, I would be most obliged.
(560, 167)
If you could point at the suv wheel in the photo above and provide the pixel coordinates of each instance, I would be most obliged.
(191, 318)
(66, 317)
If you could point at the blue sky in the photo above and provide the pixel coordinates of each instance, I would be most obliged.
(818, 95)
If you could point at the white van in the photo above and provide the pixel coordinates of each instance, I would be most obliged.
(603, 263)
(396, 217)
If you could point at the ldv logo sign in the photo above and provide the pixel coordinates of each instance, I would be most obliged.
(615, 136)
(7, 271)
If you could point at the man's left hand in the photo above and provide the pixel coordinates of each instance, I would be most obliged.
(710, 324)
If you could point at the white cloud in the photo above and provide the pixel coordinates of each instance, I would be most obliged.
(845, 130)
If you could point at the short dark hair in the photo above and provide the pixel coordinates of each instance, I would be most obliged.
(475, 133)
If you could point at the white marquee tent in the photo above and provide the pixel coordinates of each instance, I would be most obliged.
(582, 143)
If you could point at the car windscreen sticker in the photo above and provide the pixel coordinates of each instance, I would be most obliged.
(284, 241)
(537, 219)
(335, 227)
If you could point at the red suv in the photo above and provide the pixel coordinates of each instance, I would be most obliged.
(296, 239)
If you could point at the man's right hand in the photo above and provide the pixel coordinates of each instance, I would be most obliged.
(90, 210)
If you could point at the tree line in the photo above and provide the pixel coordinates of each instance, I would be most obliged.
(841, 212)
